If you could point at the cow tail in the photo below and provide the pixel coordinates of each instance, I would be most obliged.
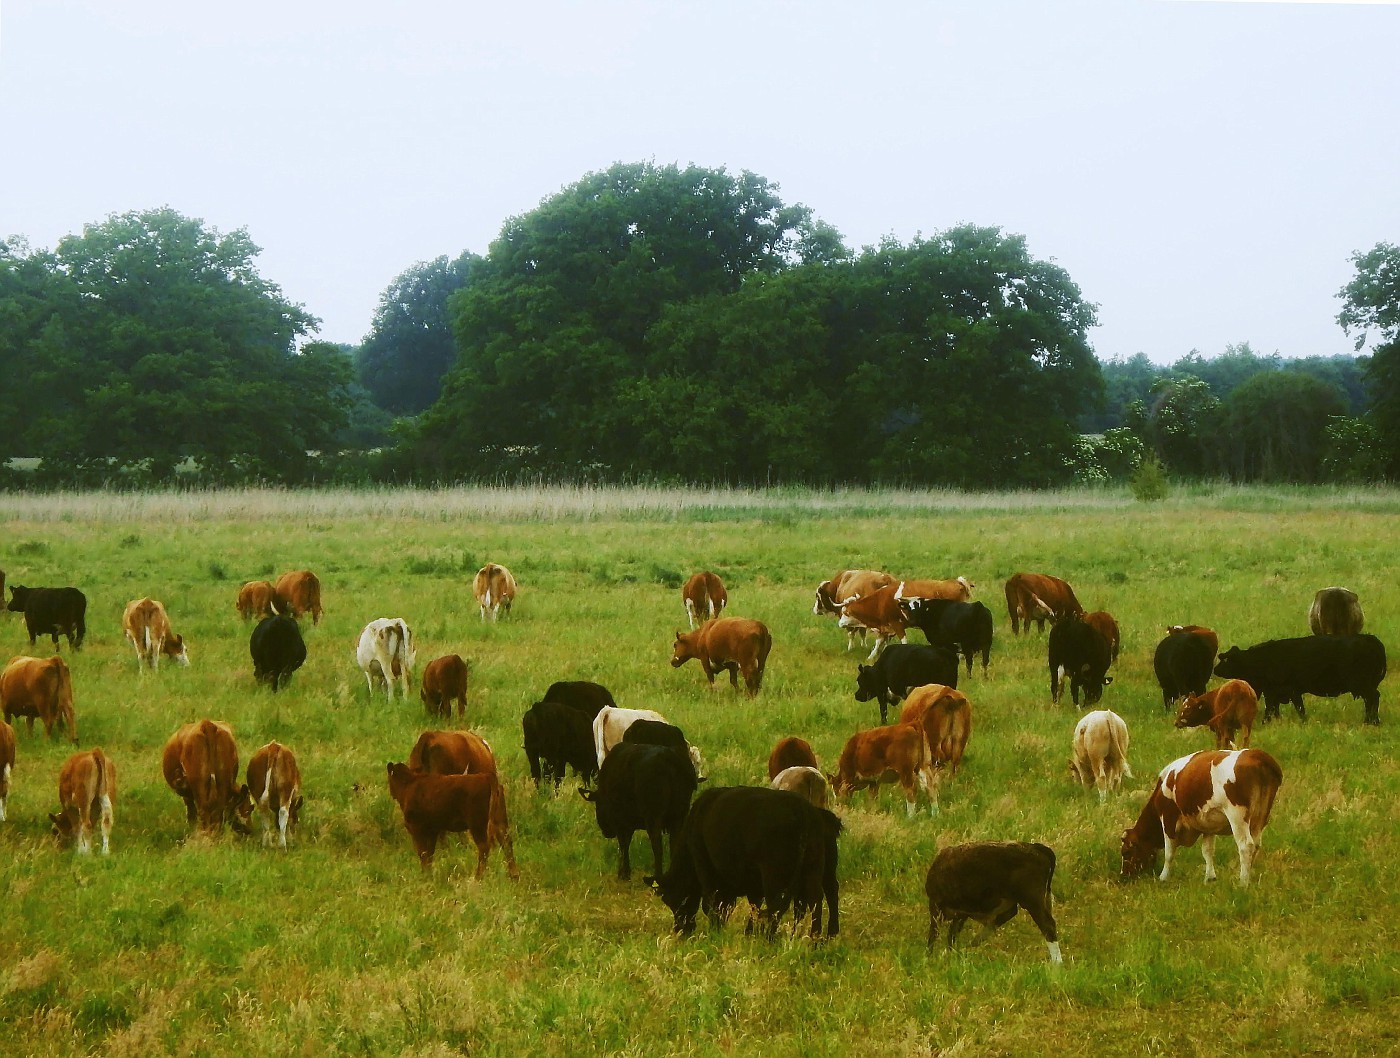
(497, 823)
(764, 647)
(210, 733)
(1122, 751)
(1262, 803)
(99, 761)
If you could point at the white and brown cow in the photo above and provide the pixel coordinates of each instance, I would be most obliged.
(386, 655)
(147, 628)
(846, 584)
(7, 763)
(1208, 793)
(704, 596)
(273, 788)
(494, 588)
(87, 787)
(1101, 751)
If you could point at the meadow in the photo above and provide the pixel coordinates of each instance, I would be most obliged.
(176, 945)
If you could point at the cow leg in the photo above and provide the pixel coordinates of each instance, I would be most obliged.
(911, 796)
(967, 656)
(1168, 851)
(655, 834)
(624, 855)
(106, 823)
(875, 651)
(1245, 841)
(1208, 854)
(85, 828)
(483, 849)
(733, 668)
(1298, 705)
(1372, 701)
(1270, 708)
(832, 893)
(1039, 910)
(189, 809)
(986, 657)
(425, 843)
(1054, 685)
(955, 925)
(283, 817)
(709, 671)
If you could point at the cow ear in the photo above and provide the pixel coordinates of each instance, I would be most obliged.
(1107, 680)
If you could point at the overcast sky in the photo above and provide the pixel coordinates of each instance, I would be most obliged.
(1203, 170)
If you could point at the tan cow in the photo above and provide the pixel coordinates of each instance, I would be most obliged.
(897, 753)
(737, 644)
(43, 688)
(1229, 711)
(451, 753)
(274, 787)
(704, 596)
(1038, 597)
(147, 628)
(445, 681)
(879, 612)
(805, 781)
(946, 718)
(257, 598)
(200, 763)
(7, 763)
(956, 589)
(494, 588)
(87, 788)
(433, 805)
(297, 593)
(1101, 751)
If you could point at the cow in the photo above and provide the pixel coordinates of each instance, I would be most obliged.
(879, 612)
(494, 588)
(277, 650)
(807, 781)
(956, 589)
(1078, 652)
(847, 584)
(769, 846)
(445, 681)
(962, 627)
(583, 695)
(898, 753)
(1207, 793)
(659, 733)
(385, 654)
(257, 598)
(989, 881)
(7, 763)
(1038, 597)
(790, 752)
(1336, 612)
(556, 736)
(87, 789)
(1183, 660)
(452, 753)
(900, 669)
(273, 786)
(43, 688)
(641, 788)
(297, 593)
(147, 628)
(433, 805)
(1228, 711)
(1103, 622)
(51, 612)
(704, 596)
(734, 643)
(945, 716)
(1284, 670)
(200, 763)
(1101, 751)
(611, 724)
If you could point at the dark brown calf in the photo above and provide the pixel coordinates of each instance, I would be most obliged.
(445, 681)
(1229, 710)
(433, 805)
(989, 881)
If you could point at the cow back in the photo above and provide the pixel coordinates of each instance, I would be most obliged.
(585, 696)
(452, 753)
(791, 752)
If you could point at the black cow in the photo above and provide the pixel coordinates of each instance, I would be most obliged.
(641, 788)
(659, 733)
(963, 627)
(1080, 652)
(557, 736)
(1182, 663)
(769, 846)
(583, 695)
(1283, 670)
(51, 611)
(277, 648)
(900, 669)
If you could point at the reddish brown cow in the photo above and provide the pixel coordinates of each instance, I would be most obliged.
(147, 628)
(790, 752)
(1038, 597)
(704, 597)
(433, 805)
(1206, 635)
(897, 753)
(878, 612)
(494, 588)
(87, 788)
(200, 764)
(297, 593)
(1103, 623)
(737, 644)
(1229, 710)
(452, 753)
(257, 598)
(945, 715)
(847, 584)
(43, 688)
(274, 786)
(445, 681)
(7, 763)
(958, 589)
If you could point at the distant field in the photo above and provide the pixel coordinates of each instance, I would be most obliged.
(340, 946)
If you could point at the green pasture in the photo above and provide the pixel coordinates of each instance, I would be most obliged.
(180, 946)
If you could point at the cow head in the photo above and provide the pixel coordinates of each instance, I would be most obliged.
(684, 901)
(684, 648)
(1229, 664)
(19, 596)
(1093, 688)
(868, 683)
(825, 601)
(400, 779)
(1139, 857)
(62, 825)
(241, 805)
(1195, 711)
(174, 647)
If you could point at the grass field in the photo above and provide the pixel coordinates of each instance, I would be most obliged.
(182, 946)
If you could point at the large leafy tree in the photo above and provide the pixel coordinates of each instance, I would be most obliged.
(1372, 304)
(1276, 427)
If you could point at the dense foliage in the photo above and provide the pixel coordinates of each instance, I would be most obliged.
(1372, 303)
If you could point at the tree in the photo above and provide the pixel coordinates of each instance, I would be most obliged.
(1276, 427)
(1181, 423)
(1372, 303)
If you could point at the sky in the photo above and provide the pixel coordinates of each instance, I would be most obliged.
(1203, 170)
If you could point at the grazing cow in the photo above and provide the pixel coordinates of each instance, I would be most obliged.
(257, 598)
(43, 688)
(7, 763)
(898, 753)
(557, 736)
(612, 723)
(734, 643)
(433, 805)
(1101, 751)
(1183, 662)
(386, 655)
(1208, 793)
(1077, 651)
(1038, 597)
(660, 733)
(945, 716)
(790, 752)
(277, 649)
(51, 612)
(847, 584)
(962, 627)
(200, 763)
(1336, 612)
(87, 789)
(989, 881)
(494, 588)
(1102, 622)
(807, 782)
(880, 612)
(900, 669)
(641, 788)
(445, 681)
(297, 593)
(452, 753)
(147, 628)
(704, 596)
(1283, 670)
(583, 695)
(274, 786)
(769, 846)
(1228, 710)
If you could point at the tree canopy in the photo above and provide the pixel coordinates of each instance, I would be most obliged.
(1372, 303)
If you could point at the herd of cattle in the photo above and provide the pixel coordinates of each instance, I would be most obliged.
(776, 846)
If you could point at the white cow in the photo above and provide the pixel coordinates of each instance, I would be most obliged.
(1101, 751)
(386, 654)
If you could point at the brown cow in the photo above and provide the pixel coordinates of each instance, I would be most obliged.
(1205, 635)
(734, 643)
(451, 753)
(846, 584)
(445, 681)
(274, 786)
(945, 715)
(897, 753)
(433, 805)
(703, 595)
(1229, 710)
(31, 687)
(958, 589)
(200, 764)
(1102, 622)
(1038, 597)
(1336, 612)
(7, 763)
(494, 588)
(790, 752)
(879, 612)
(87, 787)
(299, 592)
(989, 881)
(147, 628)
(257, 598)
